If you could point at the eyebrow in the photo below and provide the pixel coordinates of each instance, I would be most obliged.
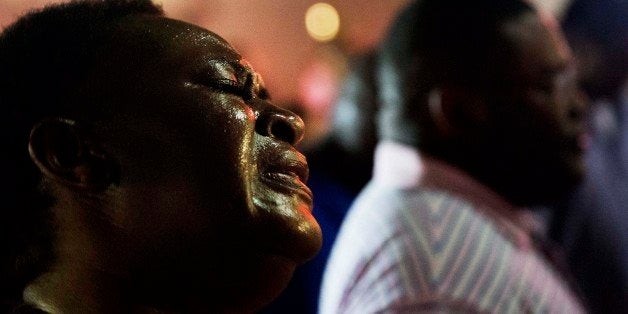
(263, 93)
(246, 71)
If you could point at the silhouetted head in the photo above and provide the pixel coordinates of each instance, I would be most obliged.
(145, 150)
(346, 155)
(490, 87)
(357, 106)
(598, 32)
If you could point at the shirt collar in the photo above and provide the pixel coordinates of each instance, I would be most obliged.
(403, 167)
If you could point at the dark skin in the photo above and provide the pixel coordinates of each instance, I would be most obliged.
(525, 140)
(185, 194)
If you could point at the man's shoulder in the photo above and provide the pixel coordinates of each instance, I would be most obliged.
(419, 248)
(419, 239)
(415, 224)
(433, 209)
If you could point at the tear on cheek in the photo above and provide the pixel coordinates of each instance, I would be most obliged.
(245, 115)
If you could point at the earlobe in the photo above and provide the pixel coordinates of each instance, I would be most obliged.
(438, 111)
(63, 153)
(457, 110)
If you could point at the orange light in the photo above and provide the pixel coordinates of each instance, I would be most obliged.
(322, 22)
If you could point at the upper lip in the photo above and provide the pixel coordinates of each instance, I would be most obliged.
(290, 165)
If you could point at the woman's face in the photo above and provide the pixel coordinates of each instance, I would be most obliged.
(211, 192)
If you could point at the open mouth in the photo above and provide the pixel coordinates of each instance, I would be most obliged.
(289, 177)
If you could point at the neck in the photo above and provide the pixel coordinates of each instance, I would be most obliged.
(74, 289)
(81, 278)
(484, 165)
(80, 288)
(89, 274)
(98, 270)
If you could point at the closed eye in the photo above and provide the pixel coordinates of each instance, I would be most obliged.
(222, 85)
(230, 86)
(220, 79)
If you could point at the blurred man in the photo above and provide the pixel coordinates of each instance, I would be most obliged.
(592, 223)
(485, 120)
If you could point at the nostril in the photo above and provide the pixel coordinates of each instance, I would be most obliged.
(282, 130)
(278, 127)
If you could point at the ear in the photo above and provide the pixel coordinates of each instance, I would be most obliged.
(457, 110)
(66, 154)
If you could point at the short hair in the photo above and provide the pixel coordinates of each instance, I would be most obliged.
(43, 57)
(435, 42)
(461, 40)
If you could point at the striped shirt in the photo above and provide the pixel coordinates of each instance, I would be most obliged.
(423, 236)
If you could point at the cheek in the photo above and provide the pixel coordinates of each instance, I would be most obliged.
(541, 114)
(186, 176)
(228, 122)
(165, 206)
(226, 151)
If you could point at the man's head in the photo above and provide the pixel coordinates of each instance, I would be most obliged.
(488, 86)
(159, 152)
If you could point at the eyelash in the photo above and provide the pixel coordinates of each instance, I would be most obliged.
(226, 85)
(230, 86)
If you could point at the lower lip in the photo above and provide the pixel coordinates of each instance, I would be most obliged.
(288, 183)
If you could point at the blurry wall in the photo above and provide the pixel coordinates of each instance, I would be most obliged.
(270, 33)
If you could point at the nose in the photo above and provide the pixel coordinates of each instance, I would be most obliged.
(280, 124)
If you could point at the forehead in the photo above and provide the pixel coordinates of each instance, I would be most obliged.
(175, 39)
(537, 41)
(151, 61)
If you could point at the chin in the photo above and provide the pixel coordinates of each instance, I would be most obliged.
(538, 186)
(255, 285)
(551, 188)
(577, 170)
(283, 224)
(273, 278)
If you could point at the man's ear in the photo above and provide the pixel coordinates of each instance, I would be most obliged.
(457, 110)
(66, 154)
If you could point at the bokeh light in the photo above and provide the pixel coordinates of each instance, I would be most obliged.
(322, 22)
